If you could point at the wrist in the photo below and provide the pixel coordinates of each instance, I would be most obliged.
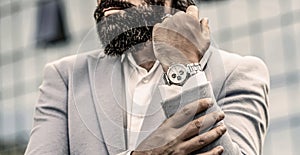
(178, 74)
(167, 64)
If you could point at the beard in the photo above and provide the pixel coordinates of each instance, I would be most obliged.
(119, 33)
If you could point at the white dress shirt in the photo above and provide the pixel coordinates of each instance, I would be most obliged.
(140, 85)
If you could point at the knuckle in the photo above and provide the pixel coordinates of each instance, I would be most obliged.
(215, 115)
(205, 102)
(179, 13)
(179, 151)
(198, 124)
(192, 7)
(186, 111)
(190, 126)
(218, 116)
(219, 132)
(202, 140)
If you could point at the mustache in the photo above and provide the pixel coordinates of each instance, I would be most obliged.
(99, 12)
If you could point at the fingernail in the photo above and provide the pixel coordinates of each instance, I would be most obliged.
(210, 102)
(223, 128)
(221, 115)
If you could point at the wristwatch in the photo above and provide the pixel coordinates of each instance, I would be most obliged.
(177, 74)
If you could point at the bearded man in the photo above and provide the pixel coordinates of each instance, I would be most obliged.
(157, 87)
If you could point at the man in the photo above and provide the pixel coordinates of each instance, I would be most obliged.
(157, 87)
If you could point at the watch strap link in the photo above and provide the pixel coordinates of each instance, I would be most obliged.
(193, 68)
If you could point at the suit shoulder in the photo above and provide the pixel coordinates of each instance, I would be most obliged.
(66, 65)
(232, 61)
(69, 61)
(242, 65)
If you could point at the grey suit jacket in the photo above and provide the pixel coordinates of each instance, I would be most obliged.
(81, 105)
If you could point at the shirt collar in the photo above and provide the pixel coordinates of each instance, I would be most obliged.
(128, 58)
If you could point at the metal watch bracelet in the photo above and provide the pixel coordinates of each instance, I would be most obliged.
(193, 68)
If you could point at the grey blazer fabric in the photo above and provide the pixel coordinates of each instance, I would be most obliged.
(81, 105)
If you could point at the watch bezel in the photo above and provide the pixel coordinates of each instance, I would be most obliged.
(169, 78)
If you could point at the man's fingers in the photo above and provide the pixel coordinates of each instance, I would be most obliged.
(168, 6)
(189, 111)
(201, 125)
(215, 151)
(193, 11)
(204, 139)
(204, 26)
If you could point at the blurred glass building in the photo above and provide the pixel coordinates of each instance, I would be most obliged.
(269, 29)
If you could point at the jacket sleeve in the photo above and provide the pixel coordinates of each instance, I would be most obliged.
(244, 102)
(49, 134)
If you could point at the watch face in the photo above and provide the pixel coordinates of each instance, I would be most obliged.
(177, 74)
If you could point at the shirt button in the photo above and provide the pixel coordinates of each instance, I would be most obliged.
(145, 80)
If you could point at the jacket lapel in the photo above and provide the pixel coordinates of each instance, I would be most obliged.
(215, 71)
(82, 98)
(106, 78)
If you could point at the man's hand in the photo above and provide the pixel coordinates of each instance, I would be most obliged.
(179, 134)
(181, 38)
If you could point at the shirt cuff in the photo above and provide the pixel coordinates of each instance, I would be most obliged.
(169, 91)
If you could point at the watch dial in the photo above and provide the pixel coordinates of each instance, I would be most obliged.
(177, 73)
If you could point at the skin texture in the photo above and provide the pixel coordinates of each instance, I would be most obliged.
(179, 134)
(123, 24)
(181, 38)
